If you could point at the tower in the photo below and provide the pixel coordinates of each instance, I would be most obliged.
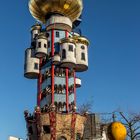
(56, 53)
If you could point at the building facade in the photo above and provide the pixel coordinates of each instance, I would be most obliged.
(94, 130)
(57, 52)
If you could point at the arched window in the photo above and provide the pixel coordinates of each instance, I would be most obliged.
(83, 56)
(63, 54)
(71, 48)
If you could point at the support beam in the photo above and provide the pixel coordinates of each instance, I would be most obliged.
(52, 68)
(39, 82)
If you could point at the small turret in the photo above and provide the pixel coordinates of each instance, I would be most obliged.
(41, 45)
(35, 30)
(81, 53)
(68, 53)
(31, 67)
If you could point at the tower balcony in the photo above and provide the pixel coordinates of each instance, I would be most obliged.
(59, 22)
(78, 82)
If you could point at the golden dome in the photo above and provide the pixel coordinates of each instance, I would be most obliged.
(69, 8)
(117, 131)
(81, 39)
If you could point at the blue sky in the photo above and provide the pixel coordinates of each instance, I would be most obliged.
(113, 78)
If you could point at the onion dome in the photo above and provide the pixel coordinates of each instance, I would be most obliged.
(41, 9)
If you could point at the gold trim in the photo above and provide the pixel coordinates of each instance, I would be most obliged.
(81, 39)
(36, 27)
(67, 40)
(41, 36)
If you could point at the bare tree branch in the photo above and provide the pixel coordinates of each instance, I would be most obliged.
(132, 123)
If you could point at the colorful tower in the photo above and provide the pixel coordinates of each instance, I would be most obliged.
(57, 52)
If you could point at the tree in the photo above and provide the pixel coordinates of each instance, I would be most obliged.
(85, 108)
(132, 124)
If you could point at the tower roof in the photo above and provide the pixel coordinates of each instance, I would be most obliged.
(40, 9)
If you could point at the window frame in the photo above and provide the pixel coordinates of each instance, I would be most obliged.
(45, 45)
(39, 44)
(75, 52)
(63, 54)
(71, 48)
(36, 66)
(83, 57)
(83, 47)
(57, 34)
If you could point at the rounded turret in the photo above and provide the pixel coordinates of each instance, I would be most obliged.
(41, 9)
(31, 67)
(81, 53)
(35, 30)
(56, 59)
(68, 52)
(41, 46)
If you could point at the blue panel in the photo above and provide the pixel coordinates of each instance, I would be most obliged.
(71, 81)
(57, 47)
(61, 35)
(49, 49)
(60, 98)
(46, 83)
(71, 98)
(49, 40)
(46, 67)
(60, 80)
(45, 101)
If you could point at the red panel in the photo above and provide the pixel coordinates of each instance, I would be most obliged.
(67, 82)
(52, 70)
(52, 116)
(74, 88)
(39, 84)
(73, 123)
(67, 90)
(66, 34)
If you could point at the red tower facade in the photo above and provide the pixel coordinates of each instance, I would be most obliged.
(56, 53)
